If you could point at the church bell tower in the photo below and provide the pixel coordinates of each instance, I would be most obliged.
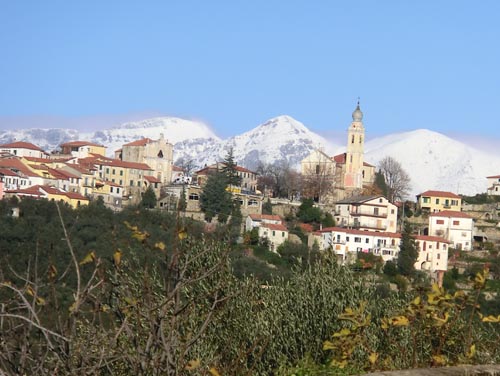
(353, 177)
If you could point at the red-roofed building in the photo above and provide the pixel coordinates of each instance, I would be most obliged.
(50, 193)
(23, 149)
(493, 185)
(257, 220)
(456, 227)
(434, 201)
(248, 177)
(27, 175)
(82, 149)
(347, 243)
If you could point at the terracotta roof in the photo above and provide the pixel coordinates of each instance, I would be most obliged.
(243, 169)
(152, 179)
(76, 196)
(340, 159)
(22, 145)
(306, 227)
(59, 173)
(360, 232)
(30, 191)
(17, 164)
(141, 142)
(358, 199)
(431, 238)
(80, 143)
(450, 214)
(269, 217)
(124, 164)
(177, 168)
(7, 172)
(493, 177)
(40, 160)
(272, 226)
(439, 194)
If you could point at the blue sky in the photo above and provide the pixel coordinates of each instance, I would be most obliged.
(235, 64)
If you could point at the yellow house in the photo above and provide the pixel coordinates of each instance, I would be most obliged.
(436, 201)
(50, 193)
(82, 149)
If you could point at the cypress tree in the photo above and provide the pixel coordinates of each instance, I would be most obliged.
(408, 252)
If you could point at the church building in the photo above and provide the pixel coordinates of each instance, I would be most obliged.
(330, 179)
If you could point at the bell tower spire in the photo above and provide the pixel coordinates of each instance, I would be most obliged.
(353, 177)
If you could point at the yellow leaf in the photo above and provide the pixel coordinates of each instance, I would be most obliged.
(160, 246)
(373, 358)
(439, 360)
(416, 301)
(141, 236)
(343, 333)
(40, 300)
(182, 234)
(72, 307)
(192, 364)
(117, 257)
(385, 324)
(213, 372)
(327, 345)
(491, 318)
(340, 364)
(472, 351)
(399, 321)
(88, 259)
(52, 271)
(30, 291)
(441, 321)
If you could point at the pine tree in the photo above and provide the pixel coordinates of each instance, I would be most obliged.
(215, 200)
(235, 222)
(230, 170)
(380, 183)
(149, 199)
(408, 252)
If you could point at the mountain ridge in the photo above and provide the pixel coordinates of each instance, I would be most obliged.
(433, 160)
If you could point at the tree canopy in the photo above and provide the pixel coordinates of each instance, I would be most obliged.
(215, 200)
(397, 180)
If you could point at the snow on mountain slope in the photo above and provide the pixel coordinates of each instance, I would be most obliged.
(435, 161)
(47, 139)
(174, 129)
(279, 139)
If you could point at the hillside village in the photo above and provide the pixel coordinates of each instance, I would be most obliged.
(342, 185)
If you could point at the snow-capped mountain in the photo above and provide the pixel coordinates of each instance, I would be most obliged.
(432, 160)
(47, 139)
(435, 161)
(174, 129)
(280, 139)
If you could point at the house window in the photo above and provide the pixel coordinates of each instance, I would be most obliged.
(274, 233)
(392, 211)
(121, 172)
(437, 201)
(346, 238)
(283, 234)
(375, 211)
(113, 171)
(131, 183)
(440, 221)
(357, 240)
(426, 200)
(111, 189)
(439, 256)
(352, 140)
(107, 170)
(317, 169)
(367, 240)
(194, 196)
(253, 202)
(456, 223)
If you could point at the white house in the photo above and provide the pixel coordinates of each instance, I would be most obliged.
(370, 213)
(277, 234)
(456, 227)
(257, 220)
(23, 149)
(346, 243)
(432, 253)
(493, 185)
